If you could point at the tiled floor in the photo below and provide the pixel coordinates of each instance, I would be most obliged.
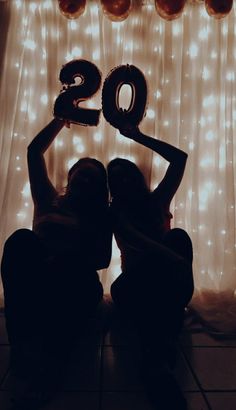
(103, 373)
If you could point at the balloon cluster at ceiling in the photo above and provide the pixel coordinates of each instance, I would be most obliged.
(118, 10)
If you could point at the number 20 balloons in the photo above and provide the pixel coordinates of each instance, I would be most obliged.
(67, 103)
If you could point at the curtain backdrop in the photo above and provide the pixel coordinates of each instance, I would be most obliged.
(189, 65)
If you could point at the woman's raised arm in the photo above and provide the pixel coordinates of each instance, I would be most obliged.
(41, 187)
(176, 157)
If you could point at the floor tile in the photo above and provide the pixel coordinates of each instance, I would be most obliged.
(196, 401)
(214, 367)
(184, 376)
(3, 332)
(61, 401)
(74, 401)
(4, 361)
(121, 332)
(121, 368)
(125, 401)
(219, 401)
(83, 369)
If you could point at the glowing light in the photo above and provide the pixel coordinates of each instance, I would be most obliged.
(18, 4)
(230, 76)
(97, 136)
(203, 34)
(59, 143)
(77, 140)
(207, 101)
(202, 121)
(73, 25)
(30, 44)
(193, 50)
(23, 107)
(80, 148)
(47, 4)
(209, 243)
(225, 29)
(96, 55)
(71, 162)
(91, 104)
(214, 55)
(44, 32)
(150, 113)
(157, 161)
(44, 99)
(191, 146)
(210, 136)
(88, 30)
(33, 7)
(95, 30)
(158, 94)
(222, 160)
(176, 29)
(18, 168)
(190, 193)
(32, 116)
(26, 190)
(21, 215)
(76, 52)
(205, 74)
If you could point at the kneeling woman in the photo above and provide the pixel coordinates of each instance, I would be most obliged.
(50, 279)
(156, 283)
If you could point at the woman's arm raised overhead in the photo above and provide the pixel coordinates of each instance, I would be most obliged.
(176, 157)
(41, 186)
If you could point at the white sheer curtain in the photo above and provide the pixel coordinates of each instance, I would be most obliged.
(189, 66)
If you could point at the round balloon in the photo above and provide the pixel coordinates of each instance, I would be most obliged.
(218, 8)
(66, 106)
(124, 74)
(72, 9)
(170, 9)
(116, 10)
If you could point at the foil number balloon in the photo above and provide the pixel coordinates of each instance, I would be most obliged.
(67, 103)
(124, 74)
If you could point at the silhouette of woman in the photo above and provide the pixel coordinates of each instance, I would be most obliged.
(156, 282)
(50, 279)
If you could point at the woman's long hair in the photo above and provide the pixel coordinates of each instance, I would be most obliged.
(128, 170)
(102, 199)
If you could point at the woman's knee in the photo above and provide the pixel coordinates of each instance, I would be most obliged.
(179, 241)
(19, 238)
(20, 250)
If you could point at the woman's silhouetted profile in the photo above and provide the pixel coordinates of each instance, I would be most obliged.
(51, 284)
(156, 283)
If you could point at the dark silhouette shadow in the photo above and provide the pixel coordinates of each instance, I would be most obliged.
(156, 283)
(49, 273)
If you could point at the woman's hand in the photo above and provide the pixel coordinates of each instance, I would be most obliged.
(129, 130)
(125, 127)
